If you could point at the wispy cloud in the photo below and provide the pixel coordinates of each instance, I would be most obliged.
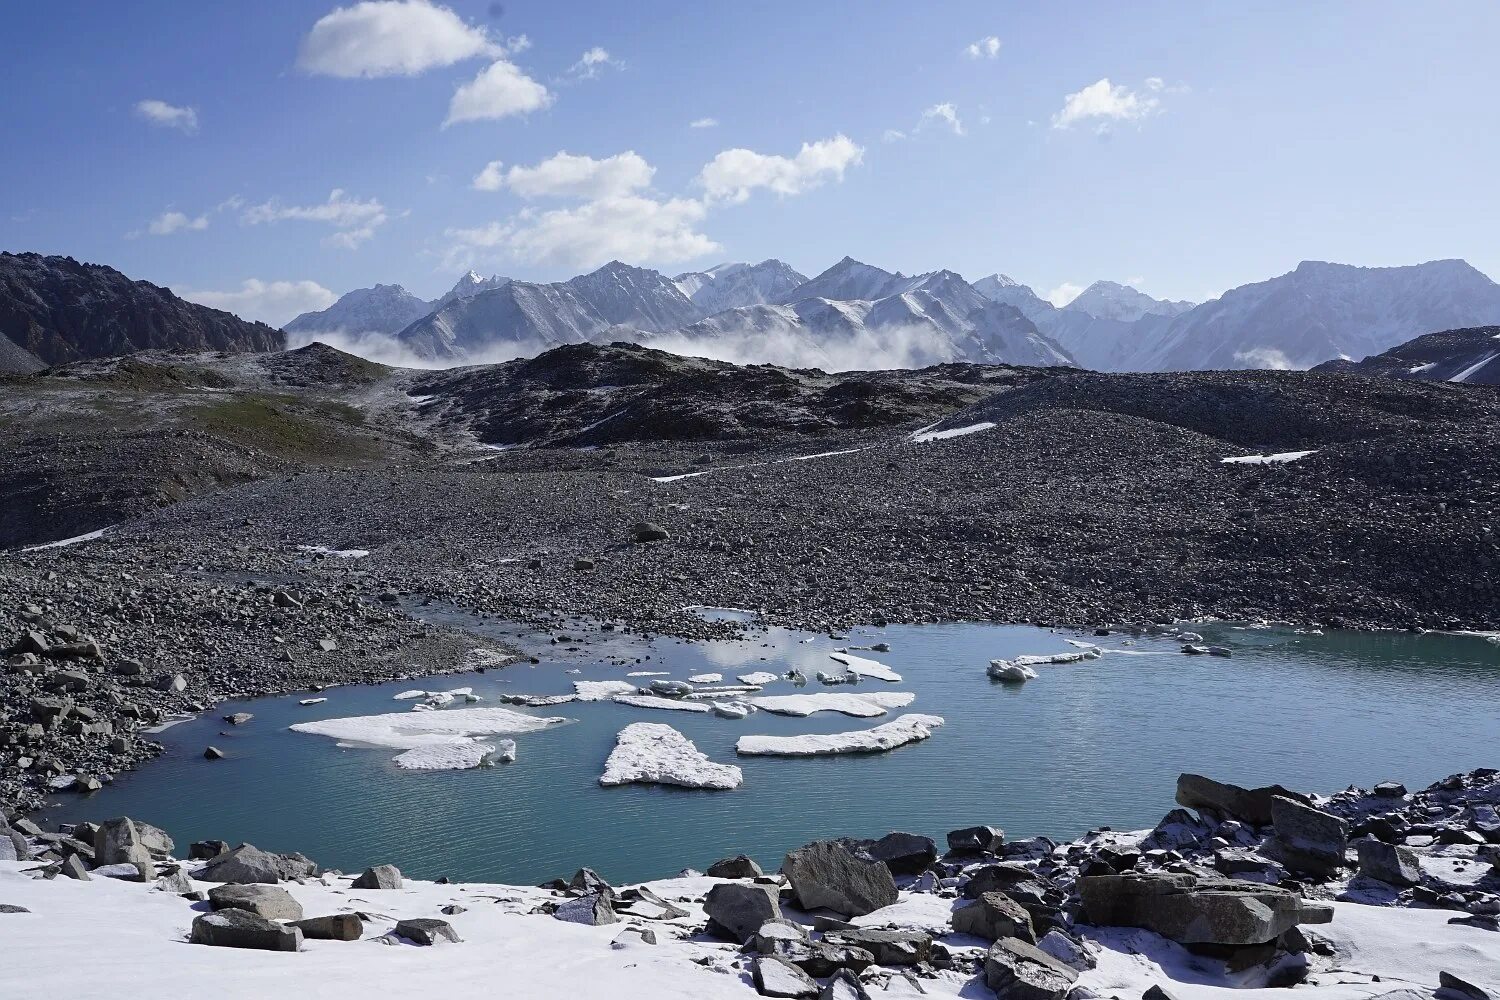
(390, 38)
(987, 47)
(355, 221)
(1063, 294)
(625, 227)
(1104, 103)
(945, 114)
(273, 302)
(171, 222)
(164, 115)
(735, 173)
(592, 63)
(703, 123)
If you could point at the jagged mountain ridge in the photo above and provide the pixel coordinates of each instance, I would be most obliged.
(381, 309)
(735, 285)
(57, 310)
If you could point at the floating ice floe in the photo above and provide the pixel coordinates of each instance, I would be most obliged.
(63, 543)
(1034, 659)
(1276, 459)
(866, 667)
(602, 690)
(861, 706)
(732, 709)
(925, 434)
(898, 732)
(651, 753)
(649, 673)
(718, 691)
(671, 689)
(461, 730)
(759, 678)
(539, 700)
(447, 756)
(312, 701)
(323, 550)
(656, 701)
(1010, 671)
(705, 678)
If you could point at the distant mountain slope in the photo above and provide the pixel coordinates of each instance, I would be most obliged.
(16, 360)
(382, 309)
(1470, 356)
(734, 286)
(1321, 311)
(1111, 300)
(60, 310)
(634, 296)
(517, 319)
(1003, 288)
(468, 286)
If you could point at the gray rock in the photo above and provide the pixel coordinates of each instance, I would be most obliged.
(1451, 987)
(1389, 863)
(975, 839)
(993, 916)
(648, 531)
(592, 909)
(238, 718)
(236, 928)
(586, 881)
(776, 978)
(889, 947)
(213, 753)
(73, 867)
(633, 936)
(378, 877)
(336, 927)
(205, 850)
(269, 901)
(12, 908)
(1250, 805)
(1390, 790)
(1016, 970)
(827, 874)
(176, 882)
(993, 878)
(738, 866)
(1067, 949)
(1178, 907)
(1158, 992)
(737, 911)
(904, 853)
(844, 985)
(1308, 839)
(248, 864)
(772, 932)
(427, 931)
(821, 958)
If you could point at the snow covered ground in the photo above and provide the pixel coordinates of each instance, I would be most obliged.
(107, 939)
(1277, 459)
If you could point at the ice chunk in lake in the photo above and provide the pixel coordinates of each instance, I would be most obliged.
(414, 730)
(861, 706)
(759, 678)
(1277, 459)
(899, 732)
(656, 701)
(705, 678)
(866, 667)
(1010, 671)
(602, 690)
(312, 701)
(1077, 656)
(651, 753)
(446, 757)
(649, 673)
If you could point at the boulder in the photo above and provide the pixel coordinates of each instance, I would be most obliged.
(1307, 839)
(904, 853)
(73, 867)
(269, 901)
(993, 916)
(593, 909)
(1389, 863)
(648, 531)
(773, 932)
(248, 864)
(1451, 987)
(632, 937)
(1180, 907)
(844, 985)
(238, 718)
(378, 877)
(119, 842)
(820, 958)
(1249, 805)
(213, 753)
(738, 866)
(992, 878)
(336, 927)
(1016, 970)
(891, 947)
(586, 881)
(976, 839)
(775, 978)
(737, 911)
(176, 883)
(427, 931)
(827, 874)
(1067, 949)
(205, 850)
(237, 928)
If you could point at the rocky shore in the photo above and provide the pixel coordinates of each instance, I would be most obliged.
(1366, 892)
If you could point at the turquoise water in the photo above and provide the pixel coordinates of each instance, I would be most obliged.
(1099, 742)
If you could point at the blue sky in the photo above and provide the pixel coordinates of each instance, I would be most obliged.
(1229, 142)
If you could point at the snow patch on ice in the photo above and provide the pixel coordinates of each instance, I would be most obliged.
(759, 678)
(602, 690)
(651, 753)
(656, 701)
(866, 667)
(417, 730)
(861, 706)
(706, 678)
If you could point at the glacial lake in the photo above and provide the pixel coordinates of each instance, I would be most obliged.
(1085, 744)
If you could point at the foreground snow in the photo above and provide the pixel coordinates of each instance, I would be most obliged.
(651, 753)
(905, 729)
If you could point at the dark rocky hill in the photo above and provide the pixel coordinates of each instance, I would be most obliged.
(60, 310)
(1471, 356)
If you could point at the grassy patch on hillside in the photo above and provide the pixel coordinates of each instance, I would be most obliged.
(317, 431)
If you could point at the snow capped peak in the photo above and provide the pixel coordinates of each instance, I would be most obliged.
(738, 284)
(469, 285)
(1112, 300)
(998, 280)
(381, 309)
(848, 279)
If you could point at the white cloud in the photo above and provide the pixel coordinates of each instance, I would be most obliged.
(945, 113)
(1106, 102)
(168, 223)
(273, 302)
(354, 220)
(1063, 294)
(390, 38)
(734, 173)
(624, 227)
(892, 135)
(568, 176)
(592, 62)
(497, 92)
(703, 123)
(165, 115)
(987, 47)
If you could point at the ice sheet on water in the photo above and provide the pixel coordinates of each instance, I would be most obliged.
(651, 753)
(899, 732)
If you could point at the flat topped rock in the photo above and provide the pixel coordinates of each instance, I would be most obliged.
(378, 877)
(269, 901)
(236, 928)
(1016, 970)
(427, 931)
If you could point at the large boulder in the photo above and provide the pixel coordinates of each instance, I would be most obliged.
(269, 901)
(1390, 863)
(739, 866)
(993, 916)
(1016, 970)
(1307, 839)
(426, 931)
(378, 877)
(335, 927)
(996, 877)
(827, 874)
(903, 853)
(820, 958)
(248, 864)
(776, 978)
(121, 841)
(844, 985)
(593, 909)
(737, 911)
(1249, 805)
(243, 929)
(976, 839)
(889, 947)
(1192, 911)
